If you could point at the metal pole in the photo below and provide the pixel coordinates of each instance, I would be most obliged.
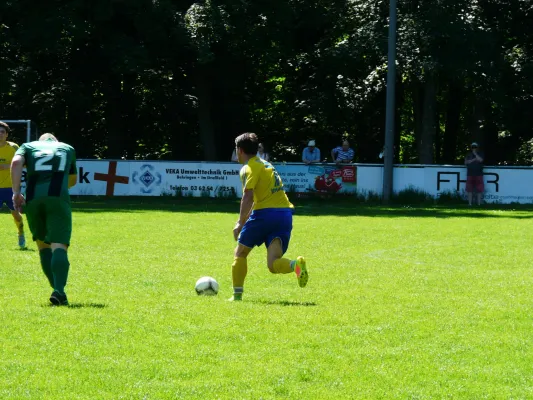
(390, 110)
(28, 131)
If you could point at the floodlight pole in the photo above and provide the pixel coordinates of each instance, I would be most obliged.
(388, 164)
(21, 121)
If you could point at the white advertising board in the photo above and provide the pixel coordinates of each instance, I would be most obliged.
(156, 178)
(502, 184)
(136, 178)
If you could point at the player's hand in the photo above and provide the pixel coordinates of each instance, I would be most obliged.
(237, 230)
(18, 201)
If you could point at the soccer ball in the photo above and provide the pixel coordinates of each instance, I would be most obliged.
(206, 286)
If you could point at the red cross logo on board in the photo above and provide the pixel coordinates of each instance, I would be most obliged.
(111, 178)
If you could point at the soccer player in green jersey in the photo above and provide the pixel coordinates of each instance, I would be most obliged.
(51, 171)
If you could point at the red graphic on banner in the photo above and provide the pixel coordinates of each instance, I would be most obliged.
(325, 183)
(336, 173)
(348, 174)
(111, 178)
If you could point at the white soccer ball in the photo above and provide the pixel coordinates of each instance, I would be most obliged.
(206, 286)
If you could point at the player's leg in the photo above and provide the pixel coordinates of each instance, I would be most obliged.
(277, 245)
(277, 264)
(37, 225)
(6, 196)
(252, 234)
(480, 187)
(45, 254)
(59, 230)
(469, 189)
(19, 222)
(239, 270)
(60, 269)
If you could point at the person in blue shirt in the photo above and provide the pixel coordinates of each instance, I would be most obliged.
(343, 154)
(311, 153)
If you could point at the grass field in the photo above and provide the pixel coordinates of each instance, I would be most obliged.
(402, 303)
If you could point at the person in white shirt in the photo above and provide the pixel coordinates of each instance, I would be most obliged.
(261, 153)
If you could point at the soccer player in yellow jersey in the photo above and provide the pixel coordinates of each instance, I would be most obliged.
(7, 152)
(265, 217)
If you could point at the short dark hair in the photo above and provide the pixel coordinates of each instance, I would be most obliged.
(248, 142)
(5, 126)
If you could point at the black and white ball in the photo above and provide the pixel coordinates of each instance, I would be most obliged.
(206, 286)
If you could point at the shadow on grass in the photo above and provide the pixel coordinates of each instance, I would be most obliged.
(79, 305)
(87, 305)
(25, 249)
(308, 207)
(286, 303)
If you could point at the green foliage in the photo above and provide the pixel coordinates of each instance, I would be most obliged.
(178, 80)
(451, 197)
(412, 196)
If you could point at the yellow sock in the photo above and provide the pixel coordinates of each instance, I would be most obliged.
(239, 269)
(282, 266)
(20, 226)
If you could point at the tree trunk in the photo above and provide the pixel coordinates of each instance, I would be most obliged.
(453, 122)
(418, 108)
(438, 136)
(400, 102)
(113, 116)
(427, 138)
(129, 116)
(203, 91)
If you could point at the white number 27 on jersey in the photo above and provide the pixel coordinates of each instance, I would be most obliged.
(44, 157)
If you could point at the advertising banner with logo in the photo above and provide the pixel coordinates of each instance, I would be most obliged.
(301, 178)
(133, 178)
(143, 178)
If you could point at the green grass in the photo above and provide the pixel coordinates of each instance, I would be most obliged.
(402, 303)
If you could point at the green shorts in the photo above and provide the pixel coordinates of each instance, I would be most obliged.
(50, 219)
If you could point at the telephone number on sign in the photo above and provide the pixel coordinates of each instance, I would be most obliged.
(202, 188)
(225, 188)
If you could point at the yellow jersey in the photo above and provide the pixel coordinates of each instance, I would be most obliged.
(262, 177)
(7, 153)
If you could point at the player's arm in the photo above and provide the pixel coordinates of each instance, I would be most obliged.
(72, 180)
(73, 173)
(249, 178)
(17, 164)
(247, 203)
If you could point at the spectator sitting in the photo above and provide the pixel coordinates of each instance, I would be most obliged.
(261, 153)
(342, 154)
(311, 154)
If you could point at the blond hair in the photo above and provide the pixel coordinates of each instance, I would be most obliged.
(48, 136)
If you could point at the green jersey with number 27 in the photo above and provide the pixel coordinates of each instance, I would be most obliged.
(48, 165)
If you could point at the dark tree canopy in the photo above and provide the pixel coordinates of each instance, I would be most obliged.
(178, 80)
